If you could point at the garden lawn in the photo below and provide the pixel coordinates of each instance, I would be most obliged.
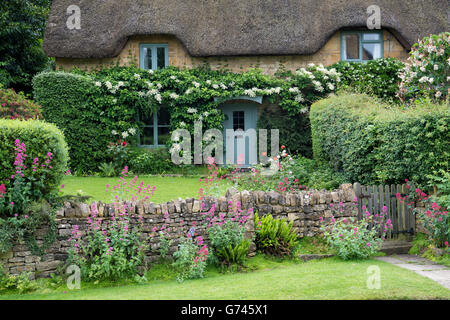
(167, 188)
(325, 279)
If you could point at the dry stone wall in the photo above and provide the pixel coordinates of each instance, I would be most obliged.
(303, 208)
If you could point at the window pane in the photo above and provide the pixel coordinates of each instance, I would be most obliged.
(147, 119)
(161, 58)
(371, 36)
(371, 51)
(238, 120)
(147, 136)
(351, 46)
(163, 117)
(163, 135)
(148, 58)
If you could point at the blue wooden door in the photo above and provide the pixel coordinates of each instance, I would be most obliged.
(240, 118)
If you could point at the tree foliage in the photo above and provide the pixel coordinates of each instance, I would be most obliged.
(22, 25)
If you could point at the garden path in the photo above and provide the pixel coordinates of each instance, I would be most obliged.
(422, 266)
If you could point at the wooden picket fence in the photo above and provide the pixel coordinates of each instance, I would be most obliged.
(375, 197)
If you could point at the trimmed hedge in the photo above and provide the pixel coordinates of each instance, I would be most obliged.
(40, 138)
(72, 102)
(370, 142)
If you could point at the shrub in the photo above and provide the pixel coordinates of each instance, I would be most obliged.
(380, 77)
(227, 237)
(295, 133)
(370, 142)
(275, 237)
(75, 105)
(112, 251)
(435, 219)
(43, 161)
(427, 73)
(150, 161)
(356, 239)
(16, 106)
(190, 258)
(22, 282)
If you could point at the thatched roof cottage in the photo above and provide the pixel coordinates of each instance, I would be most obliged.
(238, 33)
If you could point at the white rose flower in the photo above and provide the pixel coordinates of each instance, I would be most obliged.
(98, 84)
(125, 134)
(174, 96)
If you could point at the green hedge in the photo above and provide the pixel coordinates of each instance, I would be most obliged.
(72, 102)
(370, 142)
(39, 138)
(380, 77)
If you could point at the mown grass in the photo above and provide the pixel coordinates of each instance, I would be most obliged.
(167, 188)
(264, 279)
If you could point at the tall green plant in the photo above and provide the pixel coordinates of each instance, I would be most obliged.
(275, 237)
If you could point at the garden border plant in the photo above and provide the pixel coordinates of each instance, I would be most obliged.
(33, 167)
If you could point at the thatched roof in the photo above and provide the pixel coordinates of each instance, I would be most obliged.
(232, 27)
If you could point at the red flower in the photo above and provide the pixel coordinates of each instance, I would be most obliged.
(2, 189)
(124, 143)
(283, 147)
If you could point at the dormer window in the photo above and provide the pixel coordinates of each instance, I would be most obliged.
(154, 56)
(361, 45)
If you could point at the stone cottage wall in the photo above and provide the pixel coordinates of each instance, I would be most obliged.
(304, 208)
(179, 57)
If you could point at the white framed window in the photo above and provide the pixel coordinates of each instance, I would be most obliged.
(154, 56)
(155, 132)
(361, 45)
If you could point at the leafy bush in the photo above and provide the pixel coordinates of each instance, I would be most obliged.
(427, 73)
(16, 106)
(21, 55)
(370, 142)
(380, 77)
(356, 239)
(75, 105)
(21, 282)
(38, 151)
(190, 258)
(227, 237)
(150, 161)
(440, 182)
(435, 219)
(295, 133)
(275, 237)
(112, 251)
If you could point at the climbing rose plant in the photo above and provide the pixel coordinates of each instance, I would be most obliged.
(427, 73)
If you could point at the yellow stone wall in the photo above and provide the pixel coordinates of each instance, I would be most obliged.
(179, 57)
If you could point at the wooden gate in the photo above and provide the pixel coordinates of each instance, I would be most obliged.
(375, 197)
